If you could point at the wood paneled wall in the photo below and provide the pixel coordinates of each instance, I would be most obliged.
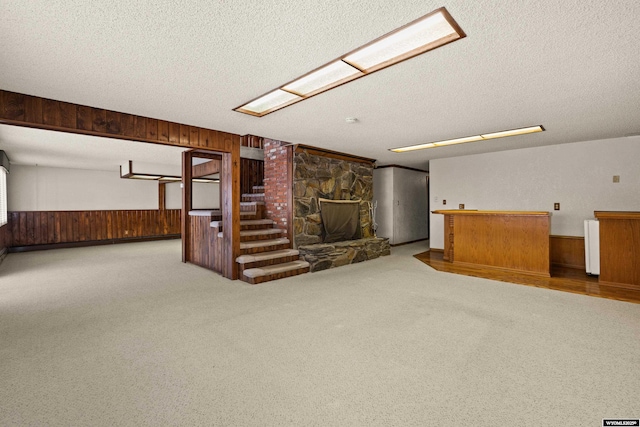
(32, 111)
(5, 240)
(53, 227)
(567, 251)
(251, 173)
(206, 247)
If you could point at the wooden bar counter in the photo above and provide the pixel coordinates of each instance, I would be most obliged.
(504, 240)
(619, 249)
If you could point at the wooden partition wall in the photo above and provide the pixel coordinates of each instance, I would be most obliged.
(33, 111)
(31, 228)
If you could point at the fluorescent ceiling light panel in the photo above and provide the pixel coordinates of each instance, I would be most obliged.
(138, 176)
(513, 132)
(272, 101)
(205, 180)
(422, 35)
(323, 79)
(413, 147)
(473, 138)
(458, 141)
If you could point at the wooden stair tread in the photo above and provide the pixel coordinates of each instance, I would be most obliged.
(257, 222)
(262, 243)
(263, 256)
(261, 232)
(275, 269)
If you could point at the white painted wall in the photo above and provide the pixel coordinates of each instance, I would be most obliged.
(35, 188)
(205, 196)
(383, 195)
(411, 216)
(579, 176)
(402, 213)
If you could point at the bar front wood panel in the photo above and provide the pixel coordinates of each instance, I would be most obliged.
(32, 111)
(620, 249)
(50, 227)
(512, 241)
(567, 251)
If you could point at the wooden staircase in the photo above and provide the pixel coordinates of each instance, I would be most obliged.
(265, 254)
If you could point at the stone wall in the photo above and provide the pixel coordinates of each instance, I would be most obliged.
(329, 255)
(277, 183)
(315, 177)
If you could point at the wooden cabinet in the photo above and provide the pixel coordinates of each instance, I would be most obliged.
(505, 240)
(619, 249)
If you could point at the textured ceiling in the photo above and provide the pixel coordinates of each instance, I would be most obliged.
(569, 65)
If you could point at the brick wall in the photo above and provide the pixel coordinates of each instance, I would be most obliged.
(278, 181)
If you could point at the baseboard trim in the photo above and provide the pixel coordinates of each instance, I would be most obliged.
(436, 250)
(408, 243)
(573, 266)
(17, 249)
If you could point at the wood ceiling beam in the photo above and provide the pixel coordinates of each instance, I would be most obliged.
(208, 168)
(36, 112)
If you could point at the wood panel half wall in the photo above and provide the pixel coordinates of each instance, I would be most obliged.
(51, 228)
(567, 251)
(5, 240)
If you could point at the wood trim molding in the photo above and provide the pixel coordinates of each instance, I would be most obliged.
(333, 154)
(31, 248)
(617, 215)
(162, 195)
(36, 112)
(402, 167)
(185, 226)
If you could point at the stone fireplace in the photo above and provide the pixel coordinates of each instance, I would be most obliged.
(316, 177)
(297, 179)
(332, 196)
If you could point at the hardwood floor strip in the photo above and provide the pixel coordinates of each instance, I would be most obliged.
(562, 279)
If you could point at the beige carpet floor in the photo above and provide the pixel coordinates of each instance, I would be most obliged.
(128, 335)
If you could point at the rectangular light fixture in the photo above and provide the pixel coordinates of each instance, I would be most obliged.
(418, 37)
(145, 176)
(272, 101)
(127, 172)
(206, 180)
(474, 138)
(431, 31)
(328, 76)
